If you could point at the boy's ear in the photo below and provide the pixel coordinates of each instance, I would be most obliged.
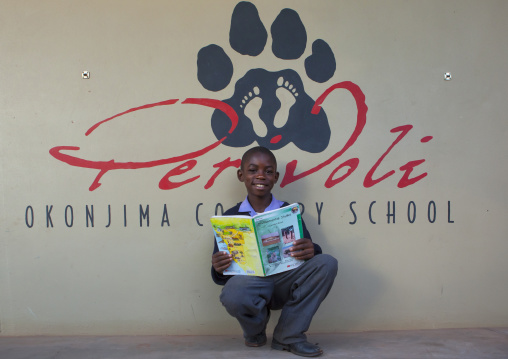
(239, 174)
(276, 176)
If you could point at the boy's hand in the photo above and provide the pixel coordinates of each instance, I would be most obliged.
(302, 249)
(221, 261)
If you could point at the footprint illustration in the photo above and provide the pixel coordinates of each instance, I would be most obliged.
(286, 93)
(252, 106)
(273, 107)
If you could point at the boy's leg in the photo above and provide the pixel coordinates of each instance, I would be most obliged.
(300, 292)
(246, 298)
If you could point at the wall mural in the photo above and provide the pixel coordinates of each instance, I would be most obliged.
(261, 89)
(256, 114)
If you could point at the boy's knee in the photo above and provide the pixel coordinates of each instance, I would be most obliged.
(327, 264)
(235, 294)
(230, 296)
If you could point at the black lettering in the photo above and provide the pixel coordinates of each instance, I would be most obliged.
(354, 214)
(197, 214)
(411, 218)
(144, 215)
(221, 209)
(32, 216)
(370, 212)
(109, 216)
(449, 211)
(67, 216)
(319, 209)
(89, 215)
(389, 214)
(125, 215)
(165, 218)
(48, 216)
(433, 205)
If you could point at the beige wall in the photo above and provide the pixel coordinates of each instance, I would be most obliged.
(62, 279)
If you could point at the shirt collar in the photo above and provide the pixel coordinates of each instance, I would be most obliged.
(246, 206)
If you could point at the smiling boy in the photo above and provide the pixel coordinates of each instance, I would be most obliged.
(297, 293)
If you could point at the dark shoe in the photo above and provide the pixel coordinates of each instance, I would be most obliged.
(257, 340)
(304, 349)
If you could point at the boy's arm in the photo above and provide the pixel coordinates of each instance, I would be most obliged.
(306, 234)
(302, 249)
(218, 277)
(221, 261)
(218, 262)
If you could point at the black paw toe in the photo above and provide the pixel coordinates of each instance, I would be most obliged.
(289, 35)
(320, 66)
(215, 68)
(247, 34)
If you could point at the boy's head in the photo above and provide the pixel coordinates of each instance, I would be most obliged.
(258, 149)
(258, 171)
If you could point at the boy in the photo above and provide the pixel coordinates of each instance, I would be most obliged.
(298, 292)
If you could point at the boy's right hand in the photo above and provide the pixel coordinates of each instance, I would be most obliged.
(221, 261)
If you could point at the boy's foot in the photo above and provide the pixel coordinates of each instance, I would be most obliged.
(257, 340)
(304, 349)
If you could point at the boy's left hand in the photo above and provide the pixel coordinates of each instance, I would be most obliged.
(302, 249)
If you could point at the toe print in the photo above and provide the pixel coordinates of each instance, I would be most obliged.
(281, 82)
(273, 108)
(247, 98)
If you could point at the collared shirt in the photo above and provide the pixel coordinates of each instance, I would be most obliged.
(246, 206)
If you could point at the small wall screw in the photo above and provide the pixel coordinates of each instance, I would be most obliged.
(447, 76)
(85, 75)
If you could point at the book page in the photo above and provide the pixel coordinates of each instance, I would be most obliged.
(277, 230)
(236, 236)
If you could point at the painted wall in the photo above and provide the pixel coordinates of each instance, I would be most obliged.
(408, 194)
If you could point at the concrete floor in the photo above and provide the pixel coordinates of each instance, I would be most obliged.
(491, 343)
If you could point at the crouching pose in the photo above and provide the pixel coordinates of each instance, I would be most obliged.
(297, 293)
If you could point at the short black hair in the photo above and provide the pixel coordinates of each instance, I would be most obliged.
(257, 149)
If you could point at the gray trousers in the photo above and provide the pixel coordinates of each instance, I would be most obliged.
(298, 292)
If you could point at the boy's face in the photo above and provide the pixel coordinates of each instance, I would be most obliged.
(259, 173)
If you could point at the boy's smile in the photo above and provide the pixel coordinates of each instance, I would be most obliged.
(259, 173)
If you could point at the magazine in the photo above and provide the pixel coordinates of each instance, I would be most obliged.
(260, 244)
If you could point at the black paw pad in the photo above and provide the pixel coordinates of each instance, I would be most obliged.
(288, 35)
(273, 108)
(320, 66)
(215, 68)
(247, 34)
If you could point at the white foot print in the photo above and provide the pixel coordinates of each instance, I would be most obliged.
(252, 104)
(286, 94)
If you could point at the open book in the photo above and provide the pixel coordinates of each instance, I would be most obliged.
(260, 244)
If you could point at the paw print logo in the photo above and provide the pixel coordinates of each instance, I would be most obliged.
(273, 108)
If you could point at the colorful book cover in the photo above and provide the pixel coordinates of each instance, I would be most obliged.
(260, 244)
